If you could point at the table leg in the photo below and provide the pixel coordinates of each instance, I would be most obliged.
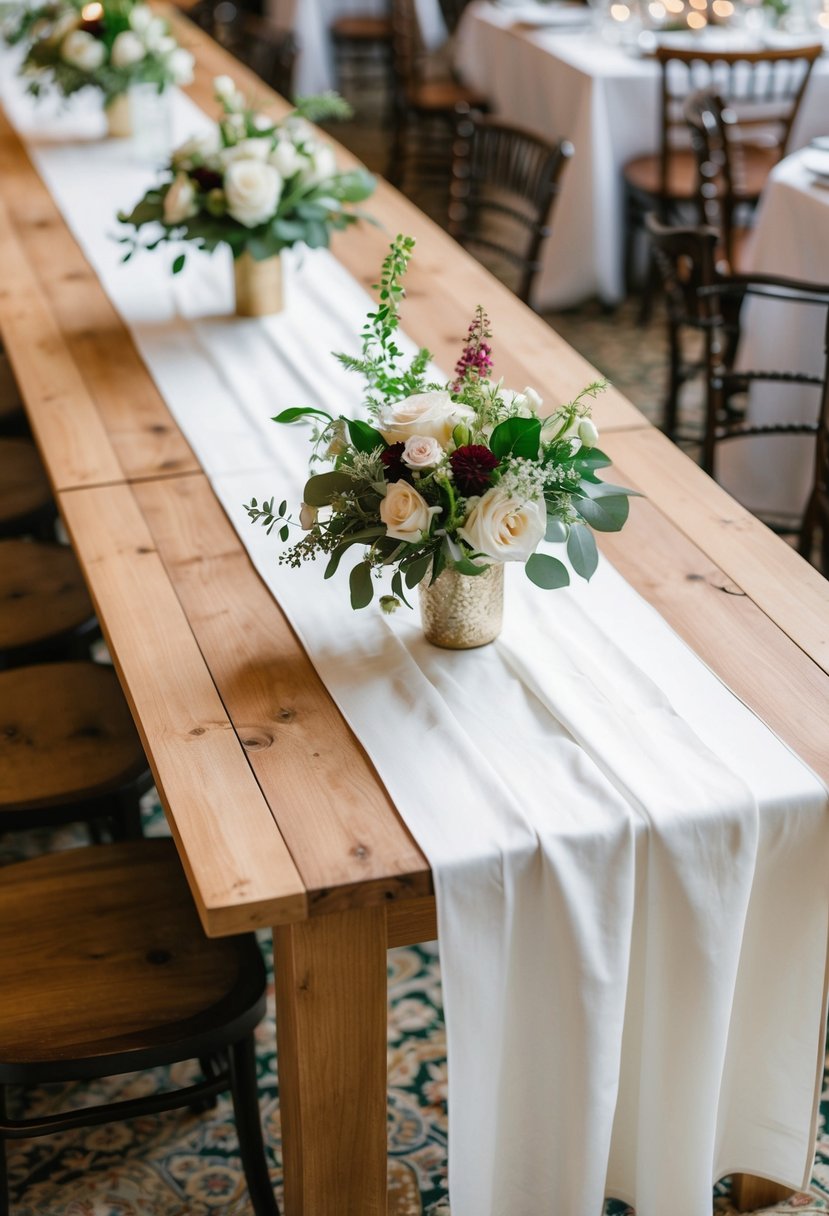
(750, 1194)
(331, 1014)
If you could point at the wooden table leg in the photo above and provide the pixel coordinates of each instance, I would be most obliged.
(331, 1013)
(750, 1194)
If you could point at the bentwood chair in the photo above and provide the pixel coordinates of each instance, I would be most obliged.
(105, 970)
(704, 301)
(721, 172)
(362, 44)
(425, 100)
(763, 88)
(504, 185)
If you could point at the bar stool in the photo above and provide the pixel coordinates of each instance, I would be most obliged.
(69, 751)
(105, 969)
(45, 609)
(25, 498)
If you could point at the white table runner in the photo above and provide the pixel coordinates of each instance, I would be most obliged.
(630, 868)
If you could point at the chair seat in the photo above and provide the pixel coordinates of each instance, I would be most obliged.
(42, 594)
(104, 966)
(66, 734)
(442, 96)
(751, 171)
(24, 488)
(361, 28)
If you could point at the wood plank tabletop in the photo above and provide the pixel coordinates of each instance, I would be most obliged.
(277, 811)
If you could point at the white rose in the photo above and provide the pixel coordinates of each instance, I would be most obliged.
(141, 18)
(252, 190)
(224, 87)
(246, 149)
(422, 452)
(405, 513)
(127, 49)
(307, 517)
(166, 45)
(82, 51)
(181, 65)
(287, 158)
(155, 33)
(197, 148)
(588, 433)
(434, 414)
(504, 528)
(180, 200)
(322, 164)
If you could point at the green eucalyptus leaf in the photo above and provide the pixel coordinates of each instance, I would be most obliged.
(320, 490)
(464, 566)
(360, 583)
(547, 572)
(604, 514)
(300, 411)
(582, 551)
(178, 263)
(417, 570)
(556, 531)
(603, 489)
(397, 588)
(364, 437)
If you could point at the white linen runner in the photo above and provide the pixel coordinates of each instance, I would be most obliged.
(630, 867)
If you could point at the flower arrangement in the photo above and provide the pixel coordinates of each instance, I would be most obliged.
(104, 44)
(457, 476)
(252, 183)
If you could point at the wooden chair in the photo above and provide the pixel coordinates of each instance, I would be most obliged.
(104, 969)
(814, 536)
(452, 12)
(69, 751)
(26, 504)
(45, 610)
(763, 88)
(504, 185)
(700, 298)
(268, 51)
(425, 101)
(12, 414)
(362, 42)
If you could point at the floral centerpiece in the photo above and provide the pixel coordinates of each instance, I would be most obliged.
(257, 185)
(108, 45)
(447, 482)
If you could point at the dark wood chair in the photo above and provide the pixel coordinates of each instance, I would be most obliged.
(69, 751)
(425, 101)
(268, 51)
(452, 12)
(12, 414)
(105, 969)
(763, 88)
(504, 186)
(45, 609)
(702, 299)
(362, 43)
(26, 504)
(814, 535)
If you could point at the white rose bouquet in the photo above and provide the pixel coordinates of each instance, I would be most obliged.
(456, 476)
(104, 44)
(252, 183)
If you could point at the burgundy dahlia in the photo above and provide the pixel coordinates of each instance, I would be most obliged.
(393, 462)
(206, 179)
(472, 465)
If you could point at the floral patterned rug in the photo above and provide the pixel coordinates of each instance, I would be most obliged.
(183, 1164)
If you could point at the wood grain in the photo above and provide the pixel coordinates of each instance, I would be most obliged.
(42, 593)
(239, 868)
(750, 1194)
(411, 921)
(331, 1034)
(343, 832)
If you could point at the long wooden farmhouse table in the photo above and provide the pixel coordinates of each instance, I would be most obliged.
(278, 815)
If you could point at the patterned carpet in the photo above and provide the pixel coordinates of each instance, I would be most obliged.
(181, 1164)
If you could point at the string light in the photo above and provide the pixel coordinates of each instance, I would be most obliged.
(93, 11)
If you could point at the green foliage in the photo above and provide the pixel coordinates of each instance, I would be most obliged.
(516, 437)
(547, 572)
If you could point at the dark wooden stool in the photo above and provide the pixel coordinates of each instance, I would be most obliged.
(25, 498)
(45, 609)
(105, 969)
(68, 748)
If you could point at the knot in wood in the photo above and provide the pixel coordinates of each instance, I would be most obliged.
(285, 715)
(256, 740)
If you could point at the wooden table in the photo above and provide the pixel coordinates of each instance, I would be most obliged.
(278, 815)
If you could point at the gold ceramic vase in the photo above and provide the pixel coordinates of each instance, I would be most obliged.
(258, 285)
(461, 611)
(119, 117)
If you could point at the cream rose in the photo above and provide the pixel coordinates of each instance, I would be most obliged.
(504, 528)
(287, 158)
(252, 190)
(197, 148)
(321, 164)
(422, 452)
(246, 149)
(127, 49)
(82, 51)
(425, 414)
(405, 513)
(181, 64)
(180, 200)
(307, 517)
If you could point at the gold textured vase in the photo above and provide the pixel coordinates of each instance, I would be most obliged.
(258, 285)
(461, 611)
(119, 117)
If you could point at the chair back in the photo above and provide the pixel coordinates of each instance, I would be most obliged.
(407, 49)
(814, 534)
(762, 88)
(718, 153)
(504, 184)
(268, 51)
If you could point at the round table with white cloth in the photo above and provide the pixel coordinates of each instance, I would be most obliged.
(563, 81)
(311, 20)
(773, 474)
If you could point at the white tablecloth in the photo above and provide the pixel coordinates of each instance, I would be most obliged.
(630, 869)
(310, 20)
(773, 475)
(567, 85)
